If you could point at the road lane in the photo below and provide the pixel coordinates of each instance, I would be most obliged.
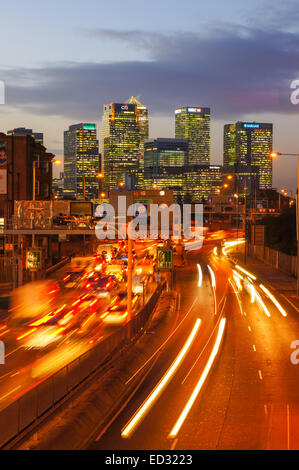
(153, 431)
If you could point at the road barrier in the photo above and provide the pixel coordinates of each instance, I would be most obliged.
(23, 412)
(280, 261)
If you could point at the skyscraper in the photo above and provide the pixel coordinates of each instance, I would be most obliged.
(81, 160)
(202, 181)
(229, 145)
(165, 163)
(120, 142)
(194, 124)
(38, 136)
(143, 124)
(250, 143)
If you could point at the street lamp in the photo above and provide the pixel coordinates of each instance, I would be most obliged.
(275, 155)
(100, 177)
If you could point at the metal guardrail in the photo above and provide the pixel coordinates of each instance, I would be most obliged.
(46, 223)
(23, 412)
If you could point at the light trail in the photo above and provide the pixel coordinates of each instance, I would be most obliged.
(200, 277)
(154, 395)
(262, 304)
(174, 432)
(276, 303)
(231, 244)
(245, 272)
(213, 279)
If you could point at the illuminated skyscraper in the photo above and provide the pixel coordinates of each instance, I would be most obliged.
(120, 142)
(202, 181)
(250, 143)
(143, 124)
(229, 145)
(38, 136)
(165, 163)
(194, 124)
(81, 160)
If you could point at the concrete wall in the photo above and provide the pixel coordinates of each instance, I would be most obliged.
(277, 259)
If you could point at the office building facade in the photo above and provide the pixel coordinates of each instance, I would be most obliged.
(143, 124)
(120, 143)
(194, 123)
(81, 160)
(165, 162)
(250, 143)
(202, 182)
(19, 154)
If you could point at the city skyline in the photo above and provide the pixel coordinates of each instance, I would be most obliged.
(164, 66)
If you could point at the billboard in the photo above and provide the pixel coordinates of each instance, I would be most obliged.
(78, 208)
(33, 259)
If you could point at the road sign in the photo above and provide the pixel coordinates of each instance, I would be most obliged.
(33, 259)
(165, 259)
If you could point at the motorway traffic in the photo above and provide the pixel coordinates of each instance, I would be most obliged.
(218, 377)
(53, 321)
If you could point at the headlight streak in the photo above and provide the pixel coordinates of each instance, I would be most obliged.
(276, 303)
(253, 293)
(231, 244)
(262, 304)
(237, 295)
(200, 277)
(213, 280)
(215, 251)
(245, 272)
(154, 395)
(213, 283)
(174, 432)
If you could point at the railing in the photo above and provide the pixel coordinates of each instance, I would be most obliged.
(23, 412)
(40, 222)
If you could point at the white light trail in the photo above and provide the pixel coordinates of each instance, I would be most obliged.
(276, 303)
(154, 395)
(199, 275)
(174, 432)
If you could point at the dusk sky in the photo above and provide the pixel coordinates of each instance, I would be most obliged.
(61, 61)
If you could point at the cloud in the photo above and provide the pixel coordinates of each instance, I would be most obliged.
(233, 69)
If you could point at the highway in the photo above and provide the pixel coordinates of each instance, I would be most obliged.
(248, 401)
(223, 378)
(35, 349)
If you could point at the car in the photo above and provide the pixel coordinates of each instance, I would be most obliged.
(102, 287)
(115, 315)
(73, 279)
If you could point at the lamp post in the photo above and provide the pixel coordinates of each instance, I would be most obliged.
(275, 155)
(100, 177)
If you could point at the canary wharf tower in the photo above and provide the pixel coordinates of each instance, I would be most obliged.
(194, 123)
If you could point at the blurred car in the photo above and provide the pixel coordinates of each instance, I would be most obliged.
(115, 315)
(103, 286)
(73, 279)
